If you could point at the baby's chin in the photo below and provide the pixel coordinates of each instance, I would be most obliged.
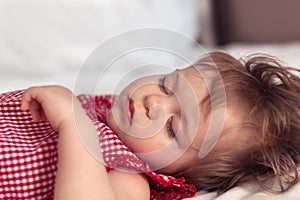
(114, 127)
(108, 117)
(111, 122)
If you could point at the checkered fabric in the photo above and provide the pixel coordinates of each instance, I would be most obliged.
(28, 152)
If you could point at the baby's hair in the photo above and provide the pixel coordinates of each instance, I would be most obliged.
(269, 93)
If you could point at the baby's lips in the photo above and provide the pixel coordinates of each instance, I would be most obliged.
(131, 107)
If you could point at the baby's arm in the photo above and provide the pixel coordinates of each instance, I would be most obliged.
(79, 175)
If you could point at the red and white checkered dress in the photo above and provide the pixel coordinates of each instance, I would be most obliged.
(28, 152)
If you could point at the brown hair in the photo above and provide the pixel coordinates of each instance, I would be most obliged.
(270, 93)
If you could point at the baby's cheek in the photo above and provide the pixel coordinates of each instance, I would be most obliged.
(144, 145)
(141, 121)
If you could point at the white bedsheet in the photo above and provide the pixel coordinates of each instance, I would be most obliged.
(249, 192)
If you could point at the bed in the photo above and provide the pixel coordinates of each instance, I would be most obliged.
(51, 42)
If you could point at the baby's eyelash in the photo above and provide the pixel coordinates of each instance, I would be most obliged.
(170, 130)
(162, 85)
(163, 88)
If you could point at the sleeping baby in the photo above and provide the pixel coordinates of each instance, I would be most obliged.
(211, 126)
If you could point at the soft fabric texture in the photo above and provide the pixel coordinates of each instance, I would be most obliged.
(28, 152)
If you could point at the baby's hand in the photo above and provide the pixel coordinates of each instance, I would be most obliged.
(52, 103)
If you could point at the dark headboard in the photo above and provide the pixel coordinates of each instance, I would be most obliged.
(259, 21)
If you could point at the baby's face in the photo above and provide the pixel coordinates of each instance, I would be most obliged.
(159, 118)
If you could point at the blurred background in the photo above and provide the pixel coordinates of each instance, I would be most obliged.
(47, 42)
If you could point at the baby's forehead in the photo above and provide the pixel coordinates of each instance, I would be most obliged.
(198, 74)
(197, 78)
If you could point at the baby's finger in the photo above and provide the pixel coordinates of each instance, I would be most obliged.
(27, 98)
(36, 114)
(24, 104)
(36, 111)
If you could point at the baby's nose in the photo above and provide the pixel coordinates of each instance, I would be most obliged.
(150, 102)
(166, 103)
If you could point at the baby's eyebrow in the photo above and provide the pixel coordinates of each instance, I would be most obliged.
(171, 79)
